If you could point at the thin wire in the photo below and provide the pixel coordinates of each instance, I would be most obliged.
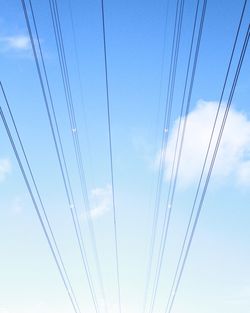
(170, 94)
(164, 135)
(111, 154)
(170, 202)
(155, 219)
(207, 153)
(39, 196)
(52, 106)
(75, 219)
(161, 171)
(56, 123)
(87, 206)
(36, 208)
(168, 215)
(64, 71)
(68, 94)
(212, 163)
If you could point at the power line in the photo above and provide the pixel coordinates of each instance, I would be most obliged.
(68, 289)
(68, 94)
(164, 142)
(155, 219)
(168, 209)
(170, 199)
(212, 163)
(38, 194)
(85, 194)
(67, 88)
(111, 153)
(70, 201)
(207, 153)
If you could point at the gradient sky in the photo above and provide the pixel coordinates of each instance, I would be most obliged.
(217, 274)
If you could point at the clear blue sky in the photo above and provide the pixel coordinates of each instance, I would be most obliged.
(217, 274)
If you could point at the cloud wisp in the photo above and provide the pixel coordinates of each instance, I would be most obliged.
(233, 159)
(101, 200)
(5, 168)
(15, 43)
(17, 205)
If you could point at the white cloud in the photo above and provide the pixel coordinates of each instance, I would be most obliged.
(101, 200)
(5, 168)
(19, 42)
(17, 205)
(233, 157)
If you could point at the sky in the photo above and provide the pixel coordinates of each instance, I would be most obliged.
(216, 277)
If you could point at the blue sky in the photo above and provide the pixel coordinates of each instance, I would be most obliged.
(217, 274)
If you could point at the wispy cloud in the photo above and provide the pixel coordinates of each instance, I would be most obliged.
(15, 43)
(233, 157)
(17, 205)
(101, 200)
(5, 168)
